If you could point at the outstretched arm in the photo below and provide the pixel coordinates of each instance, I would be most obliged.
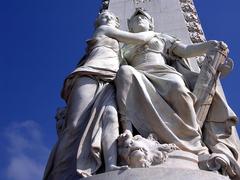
(192, 50)
(124, 36)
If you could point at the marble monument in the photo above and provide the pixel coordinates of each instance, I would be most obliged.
(145, 101)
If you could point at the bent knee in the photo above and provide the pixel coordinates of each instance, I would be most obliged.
(125, 71)
(124, 75)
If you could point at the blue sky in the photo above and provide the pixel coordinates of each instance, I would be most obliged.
(40, 43)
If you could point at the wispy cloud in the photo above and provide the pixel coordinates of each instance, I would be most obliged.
(24, 168)
(26, 151)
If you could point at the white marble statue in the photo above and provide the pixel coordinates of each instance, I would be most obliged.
(154, 95)
(91, 121)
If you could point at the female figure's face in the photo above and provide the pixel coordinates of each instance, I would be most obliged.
(107, 18)
(140, 23)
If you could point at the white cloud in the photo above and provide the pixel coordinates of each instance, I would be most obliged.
(24, 168)
(26, 151)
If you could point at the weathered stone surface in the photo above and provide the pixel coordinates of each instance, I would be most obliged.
(158, 174)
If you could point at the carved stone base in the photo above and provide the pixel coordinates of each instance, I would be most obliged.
(180, 165)
(158, 173)
(181, 159)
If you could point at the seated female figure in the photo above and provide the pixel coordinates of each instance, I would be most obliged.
(154, 97)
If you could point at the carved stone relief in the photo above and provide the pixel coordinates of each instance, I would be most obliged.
(197, 37)
(192, 21)
(194, 27)
(187, 7)
(139, 152)
(190, 17)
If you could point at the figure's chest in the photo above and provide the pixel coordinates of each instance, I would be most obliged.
(155, 44)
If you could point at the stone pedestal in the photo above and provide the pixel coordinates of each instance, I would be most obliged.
(180, 165)
(158, 173)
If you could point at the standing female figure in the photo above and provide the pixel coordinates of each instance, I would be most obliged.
(91, 117)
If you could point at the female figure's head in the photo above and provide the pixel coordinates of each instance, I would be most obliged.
(107, 18)
(140, 21)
